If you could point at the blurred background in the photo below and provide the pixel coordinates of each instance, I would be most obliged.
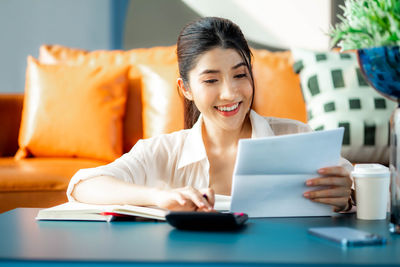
(128, 24)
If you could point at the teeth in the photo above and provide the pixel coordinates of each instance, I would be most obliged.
(228, 108)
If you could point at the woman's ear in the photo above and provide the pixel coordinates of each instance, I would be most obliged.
(184, 90)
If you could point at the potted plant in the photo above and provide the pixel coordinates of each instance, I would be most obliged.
(368, 23)
(372, 27)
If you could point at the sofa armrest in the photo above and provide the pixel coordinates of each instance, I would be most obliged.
(10, 120)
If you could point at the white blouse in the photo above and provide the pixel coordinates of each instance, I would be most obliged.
(179, 159)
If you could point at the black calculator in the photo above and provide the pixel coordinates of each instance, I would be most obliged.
(213, 221)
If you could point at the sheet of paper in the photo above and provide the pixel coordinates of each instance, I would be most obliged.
(270, 173)
(289, 154)
(222, 203)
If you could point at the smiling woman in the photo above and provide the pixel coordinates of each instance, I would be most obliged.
(226, 48)
(183, 170)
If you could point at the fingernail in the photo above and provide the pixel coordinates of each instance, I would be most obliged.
(306, 194)
(321, 171)
(309, 183)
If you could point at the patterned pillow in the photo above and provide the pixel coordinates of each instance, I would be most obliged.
(337, 95)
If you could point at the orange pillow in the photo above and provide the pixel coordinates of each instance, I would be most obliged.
(277, 87)
(153, 104)
(132, 122)
(162, 104)
(73, 111)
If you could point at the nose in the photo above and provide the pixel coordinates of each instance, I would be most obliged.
(228, 90)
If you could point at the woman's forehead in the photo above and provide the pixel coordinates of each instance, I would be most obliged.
(218, 59)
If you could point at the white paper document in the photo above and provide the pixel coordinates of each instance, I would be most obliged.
(222, 203)
(270, 173)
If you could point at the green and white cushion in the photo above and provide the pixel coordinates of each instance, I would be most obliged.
(337, 95)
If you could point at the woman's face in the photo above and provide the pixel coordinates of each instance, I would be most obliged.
(220, 86)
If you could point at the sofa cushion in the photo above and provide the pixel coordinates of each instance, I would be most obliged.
(338, 96)
(153, 104)
(37, 182)
(162, 104)
(132, 123)
(40, 174)
(277, 87)
(73, 111)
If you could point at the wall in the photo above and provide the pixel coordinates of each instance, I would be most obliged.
(26, 24)
(158, 22)
(91, 24)
(283, 23)
(270, 24)
(154, 22)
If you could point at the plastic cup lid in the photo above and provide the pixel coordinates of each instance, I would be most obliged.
(370, 171)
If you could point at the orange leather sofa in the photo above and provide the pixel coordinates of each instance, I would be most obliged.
(40, 181)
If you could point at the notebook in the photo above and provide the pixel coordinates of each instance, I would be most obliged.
(76, 211)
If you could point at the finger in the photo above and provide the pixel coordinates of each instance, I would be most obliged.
(180, 203)
(198, 198)
(181, 199)
(334, 171)
(329, 193)
(338, 203)
(209, 194)
(331, 180)
(205, 209)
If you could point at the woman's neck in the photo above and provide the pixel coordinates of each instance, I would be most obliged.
(217, 138)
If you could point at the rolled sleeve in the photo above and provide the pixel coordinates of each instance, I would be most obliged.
(129, 168)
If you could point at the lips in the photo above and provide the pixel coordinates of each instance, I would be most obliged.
(229, 110)
(229, 107)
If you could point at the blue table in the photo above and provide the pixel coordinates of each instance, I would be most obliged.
(273, 242)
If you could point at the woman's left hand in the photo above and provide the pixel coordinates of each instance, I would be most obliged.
(338, 188)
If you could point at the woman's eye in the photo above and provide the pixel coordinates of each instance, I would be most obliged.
(211, 81)
(242, 75)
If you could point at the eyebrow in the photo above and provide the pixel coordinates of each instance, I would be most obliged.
(217, 71)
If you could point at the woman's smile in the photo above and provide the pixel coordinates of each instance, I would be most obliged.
(229, 110)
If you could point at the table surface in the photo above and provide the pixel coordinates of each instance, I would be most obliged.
(273, 241)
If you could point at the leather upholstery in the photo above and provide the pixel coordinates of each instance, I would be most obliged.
(133, 130)
(162, 104)
(10, 119)
(73, 111)
(37, 182)
(152, 77)
(277, 92)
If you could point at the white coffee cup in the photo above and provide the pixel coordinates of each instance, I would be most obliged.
(372, 190)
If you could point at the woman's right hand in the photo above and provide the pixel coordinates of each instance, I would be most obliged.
(186, 199)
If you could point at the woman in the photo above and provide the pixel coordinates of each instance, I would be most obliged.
(184, 170)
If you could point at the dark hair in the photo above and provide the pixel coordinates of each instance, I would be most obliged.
(201, 36)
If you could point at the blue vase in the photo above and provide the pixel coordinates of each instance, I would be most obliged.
(381, 69)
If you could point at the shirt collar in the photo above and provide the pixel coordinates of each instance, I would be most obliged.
(194, 150)
(259, 126)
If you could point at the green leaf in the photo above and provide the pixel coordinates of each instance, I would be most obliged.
(367, 23)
